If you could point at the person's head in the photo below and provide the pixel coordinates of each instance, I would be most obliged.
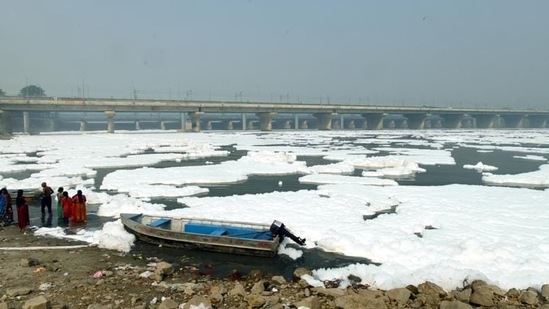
(3, 191)
(19, 192)
(65, 194)
(43, 185)
(79, 192)
(60, 190)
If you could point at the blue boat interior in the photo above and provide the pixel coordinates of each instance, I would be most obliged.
(159, 222)
(219, 230)
(213, 230)
(135, 217)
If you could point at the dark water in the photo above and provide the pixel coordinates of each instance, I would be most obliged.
(220, 265)
(456, 174)
(223, 264)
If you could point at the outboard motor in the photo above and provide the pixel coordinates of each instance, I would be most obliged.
(278, 228)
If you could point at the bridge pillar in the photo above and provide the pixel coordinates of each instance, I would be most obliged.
(230, 125)
(351, 125)
(485, 121)
(208, 125)
(304, 125)
(137, 125)
(244, 124)
(5, 123)
(162, 125)
(296, 121)
(436, 124)
(183, 121)
(324, 120)
(416, 121)
(514, 121)
(110, 121)
(469, 123)
(265, 121)
(26, 122)
(250, 125)
(195, 121)
(84, 125)
(537, 121)
(453, 121)
(187, 126)
(287, 124)
(51, 125)
(374, 121)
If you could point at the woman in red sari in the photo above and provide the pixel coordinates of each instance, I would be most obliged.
(68, 208)
(22, 212)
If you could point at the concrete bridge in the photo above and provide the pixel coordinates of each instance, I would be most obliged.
(327, 116)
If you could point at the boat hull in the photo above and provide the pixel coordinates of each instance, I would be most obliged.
(171, 233)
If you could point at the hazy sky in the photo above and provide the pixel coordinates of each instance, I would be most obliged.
(441, 53)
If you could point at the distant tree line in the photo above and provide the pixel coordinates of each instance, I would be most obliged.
(28, 91)
(32, 91)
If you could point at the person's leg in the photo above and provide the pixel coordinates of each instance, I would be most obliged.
(59, 213)
(10, 213)
(48, 205)
(43, 211)
(79, 212)
(82, 212)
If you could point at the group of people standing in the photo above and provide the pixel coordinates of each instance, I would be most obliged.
(70, 210)
(6, 210)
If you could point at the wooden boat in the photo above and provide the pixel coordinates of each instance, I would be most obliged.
(211, 235)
